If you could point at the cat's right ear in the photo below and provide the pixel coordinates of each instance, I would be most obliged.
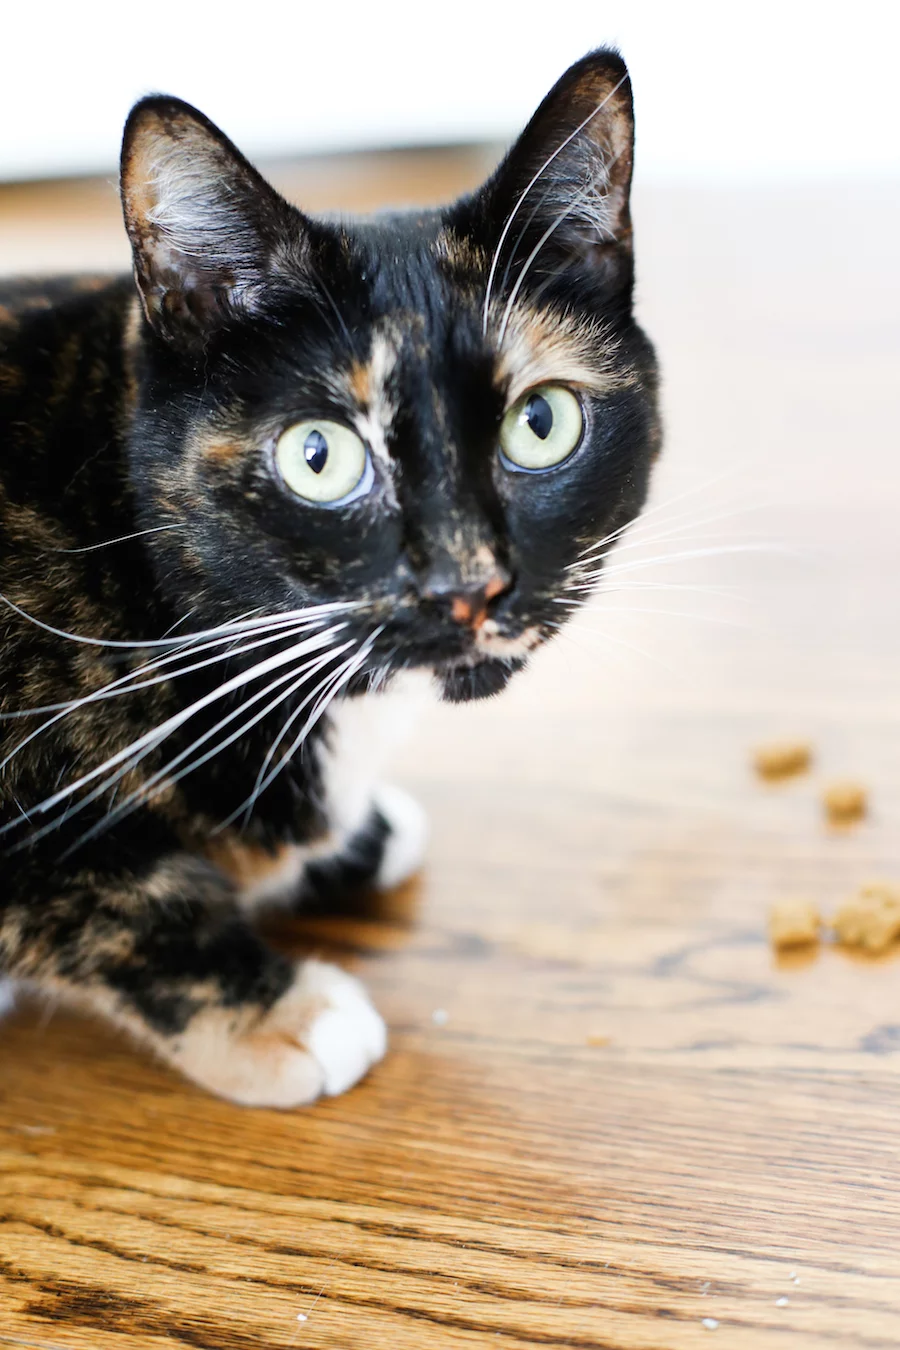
(208, 233)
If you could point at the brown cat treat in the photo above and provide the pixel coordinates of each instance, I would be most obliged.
(871, 919)
(793, 923)
(782, 759)
(845, 801)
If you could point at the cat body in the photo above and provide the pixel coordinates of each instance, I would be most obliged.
(243, 496)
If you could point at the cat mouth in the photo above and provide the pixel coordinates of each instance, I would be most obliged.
(482, 678)
(483, 666)
(466, 650)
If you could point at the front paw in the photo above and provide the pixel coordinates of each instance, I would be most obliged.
(404, 846)
(321, 1036)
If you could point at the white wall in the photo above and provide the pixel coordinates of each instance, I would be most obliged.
(722, 88)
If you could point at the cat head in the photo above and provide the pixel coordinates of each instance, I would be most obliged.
(432, 417)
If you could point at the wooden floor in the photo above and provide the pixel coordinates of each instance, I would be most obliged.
(609, 1117)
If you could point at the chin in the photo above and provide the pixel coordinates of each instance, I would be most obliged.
(463, 684)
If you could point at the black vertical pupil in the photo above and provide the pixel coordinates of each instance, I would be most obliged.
(539, 416)
(315, 450)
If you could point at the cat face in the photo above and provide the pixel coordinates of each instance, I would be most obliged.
(430, 417)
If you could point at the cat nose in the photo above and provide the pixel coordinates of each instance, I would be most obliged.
(468, 603)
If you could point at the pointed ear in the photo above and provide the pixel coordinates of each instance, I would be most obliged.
(561, 195)
(207, 232)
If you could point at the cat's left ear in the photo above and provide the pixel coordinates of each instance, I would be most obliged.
(561, 195)
(208, 233)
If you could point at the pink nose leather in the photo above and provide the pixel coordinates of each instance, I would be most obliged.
(472, 608)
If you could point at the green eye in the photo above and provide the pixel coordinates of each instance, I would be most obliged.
(542, 429)
(323, 461)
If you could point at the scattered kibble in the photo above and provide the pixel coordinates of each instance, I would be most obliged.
(871, 919)
(793, 923)
(599, 1040)
(845, 802)
(710, 1323)
(782, 759)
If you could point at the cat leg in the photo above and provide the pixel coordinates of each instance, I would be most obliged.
(170, 959)
(406, 835)
(384, 852)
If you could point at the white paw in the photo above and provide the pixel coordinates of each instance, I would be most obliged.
(348, 1036)
(7, 996)
(321, 1036)
(404, 849)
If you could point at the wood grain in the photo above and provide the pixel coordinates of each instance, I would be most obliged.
(609, 1112)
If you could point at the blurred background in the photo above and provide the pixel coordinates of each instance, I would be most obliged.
(786, 89)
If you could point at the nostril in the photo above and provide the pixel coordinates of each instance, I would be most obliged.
(497, 584)
(462, 607)
(467, 598)
(471, 607)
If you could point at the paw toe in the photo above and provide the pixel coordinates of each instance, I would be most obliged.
(348, 1036)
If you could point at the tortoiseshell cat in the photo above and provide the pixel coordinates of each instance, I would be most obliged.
(300, 457)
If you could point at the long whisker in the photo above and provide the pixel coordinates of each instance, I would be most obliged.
(689, 525)
(650, 512)
(334, 607)
(261, 776)
(171, 724)
(620, 588)
(164, 777)
(347, 672)
(542, 201)
(120, 539)
(112, 691)
(718, 619)
(635, 564)
(514, 212)
(551, 228)
(113, 779)
(120, 686)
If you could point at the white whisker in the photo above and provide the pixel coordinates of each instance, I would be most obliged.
(586, 582)
(348, 670)
(150, 738)
(576, 200)
(120, 539)
(719, 619)
(163, 778)
(125, 683)
(334, 607)
(642, 538)
(649, 512)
